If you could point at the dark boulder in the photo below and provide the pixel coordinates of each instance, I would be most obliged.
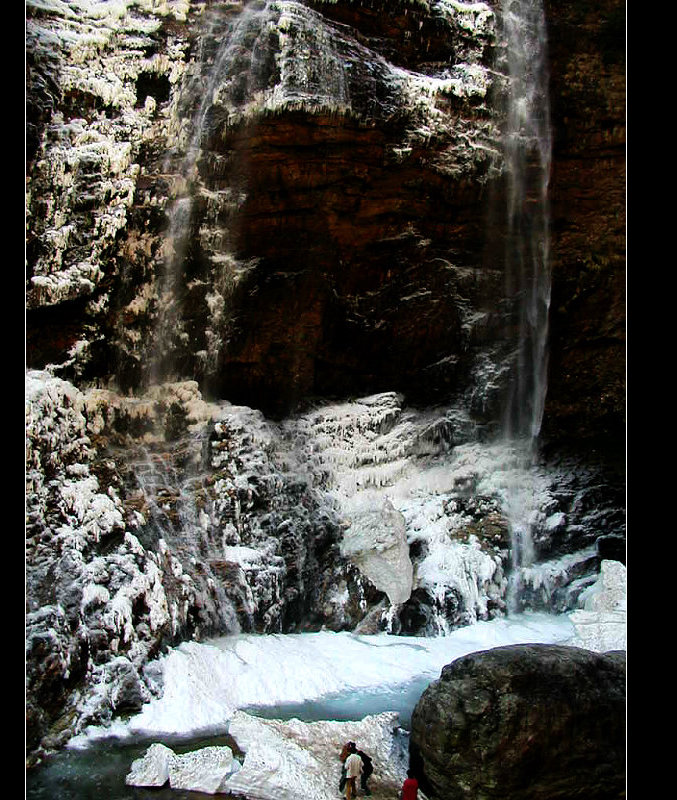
(526, 722)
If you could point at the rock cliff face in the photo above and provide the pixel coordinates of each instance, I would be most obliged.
(335, 179)
(586, 396)
(327, 164)
(279, 204)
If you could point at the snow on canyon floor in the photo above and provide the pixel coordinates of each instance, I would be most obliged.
(283, 705)
(289, 702)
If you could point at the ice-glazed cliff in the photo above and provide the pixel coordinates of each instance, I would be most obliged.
(271, 335)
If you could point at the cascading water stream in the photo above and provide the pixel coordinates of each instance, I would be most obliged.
(229, 66)
(234, 52)
(527, 150)
(170, 482)
(227, 79)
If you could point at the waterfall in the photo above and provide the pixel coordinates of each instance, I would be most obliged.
(527, 150)
(168, 470)
(231, 72)
(226, 81)
(528, 153)
(171, 483)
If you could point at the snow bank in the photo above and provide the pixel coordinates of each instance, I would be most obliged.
(204, 770)
(290, 760)
(282, 760)
(206, 684)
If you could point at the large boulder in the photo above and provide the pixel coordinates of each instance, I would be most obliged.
(523, 721)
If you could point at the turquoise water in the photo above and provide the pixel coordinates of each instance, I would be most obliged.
(352, 706)
(98, 772)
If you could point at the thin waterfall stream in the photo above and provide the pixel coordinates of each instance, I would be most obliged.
(169, 473)
(527, 149)
(227, 79)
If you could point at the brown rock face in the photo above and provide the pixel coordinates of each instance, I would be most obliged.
(586, 395)
(343, 236)
(354, 287)
(339, 207)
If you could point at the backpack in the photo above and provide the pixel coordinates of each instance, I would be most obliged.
(368, 767)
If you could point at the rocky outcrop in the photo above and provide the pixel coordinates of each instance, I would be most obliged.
(523, 722)
(353, 186)
(329, 165)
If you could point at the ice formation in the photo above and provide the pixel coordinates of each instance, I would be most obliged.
(92, 156)
(601, 622)
(282, 760)
(377, 543)
(285, 760)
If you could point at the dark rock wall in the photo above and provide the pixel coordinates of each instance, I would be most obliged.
(586, 394)
(359, 215)
(363, 269)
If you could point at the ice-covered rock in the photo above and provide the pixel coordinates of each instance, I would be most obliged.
(357, 514)
(204, 770)
(601, 622)
(293, 760)
(152, 769)
(89, 57)
(282, 760)
(376, 541)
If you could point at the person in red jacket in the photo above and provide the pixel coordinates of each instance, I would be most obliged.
(409, 787)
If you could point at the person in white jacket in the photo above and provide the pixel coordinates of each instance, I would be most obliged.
(353, 766)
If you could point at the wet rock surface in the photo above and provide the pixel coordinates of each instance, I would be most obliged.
(523, 721)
